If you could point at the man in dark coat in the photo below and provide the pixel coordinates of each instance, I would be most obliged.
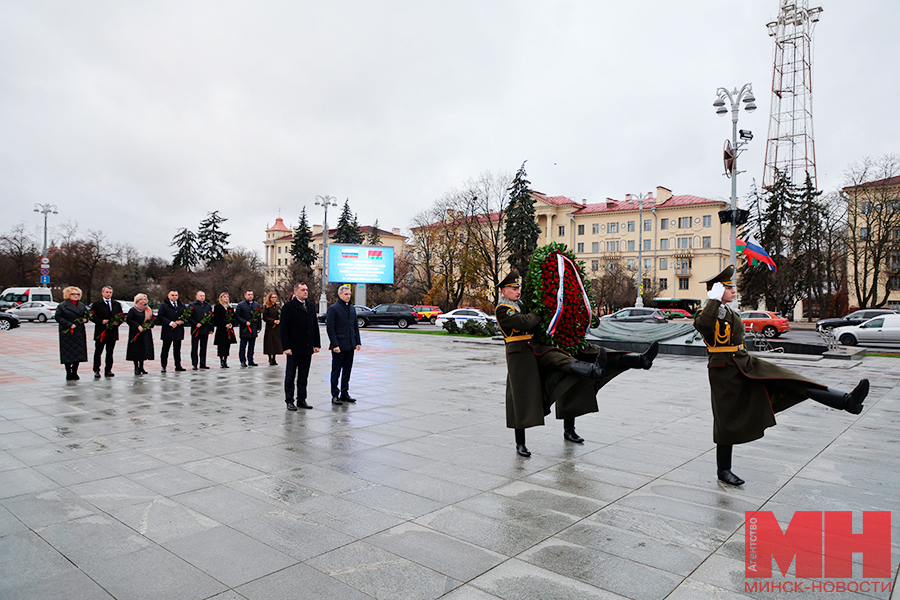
(299, 331)
(200, 331)
(746, 391)
(171, 330)
(540, 376)
(248, 315)
(105, 335)
(343, 341)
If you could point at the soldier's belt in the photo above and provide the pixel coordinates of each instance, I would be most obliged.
(725, 348)
(517, 338)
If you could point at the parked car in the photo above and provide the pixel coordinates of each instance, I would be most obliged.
(855, 318)
(461, 315)
(880, 330)
(126, 305)
(677, 313)
(15, 296)
(636, 314)
(401, 315)
(360, 312)
(770, 324)
(427, 313)
(8, 321)
(35, 311)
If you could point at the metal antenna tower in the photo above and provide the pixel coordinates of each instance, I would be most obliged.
(790, 147)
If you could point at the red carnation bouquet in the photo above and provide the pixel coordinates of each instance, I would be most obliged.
(556, 290)
(114, 321)
(86, 316)
(146, 325)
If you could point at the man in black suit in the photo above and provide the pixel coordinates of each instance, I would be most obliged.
(300, 340)
(200, 332)
(343, 340)
(171, 330)
(105, 337)
(248, 315)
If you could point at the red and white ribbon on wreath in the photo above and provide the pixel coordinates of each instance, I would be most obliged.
(561, 261)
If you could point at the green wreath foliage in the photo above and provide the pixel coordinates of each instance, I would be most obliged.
(539, 297)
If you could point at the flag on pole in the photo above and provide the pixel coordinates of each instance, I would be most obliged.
(755, 253)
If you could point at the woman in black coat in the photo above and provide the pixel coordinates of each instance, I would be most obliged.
(72, 339)
(271, 315)
(140, 338)
(223, 315)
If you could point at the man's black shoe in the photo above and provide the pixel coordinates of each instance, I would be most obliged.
(303, 404)
(96, 374)
(521, 450)
(347, 398)
(726, 476)
(195, 368)
(291, 406)
(204, 367)
(571, 436)
(180, 369)
(243, 365)
(109, 374)
(252, 364)
(336, 401)
(162, 369)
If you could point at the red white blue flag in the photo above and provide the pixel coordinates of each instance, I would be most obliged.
(755, 253)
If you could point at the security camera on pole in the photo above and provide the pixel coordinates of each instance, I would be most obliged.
(733, 148)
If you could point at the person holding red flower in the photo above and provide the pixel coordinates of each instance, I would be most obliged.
(106, 335)
(540, 376)
(171, 330)
(248, 314)
(70, 316)
(201, 328)
(140, 339)
(223, 315)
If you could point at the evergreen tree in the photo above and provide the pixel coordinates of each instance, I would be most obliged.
(302, 247)
(373, 239)
(211, 240)
(185, 241)
(347, 228)
(522, 231)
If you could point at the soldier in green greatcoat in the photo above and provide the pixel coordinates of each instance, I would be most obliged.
(540, 376)
(748, 391)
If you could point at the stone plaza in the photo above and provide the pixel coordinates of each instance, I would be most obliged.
(196, 485)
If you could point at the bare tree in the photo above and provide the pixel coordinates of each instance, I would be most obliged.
(873, 221)
(614, 288)
(18, 257)
(484, 200)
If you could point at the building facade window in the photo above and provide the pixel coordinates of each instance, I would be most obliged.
(279, 249)
(630, 226)
(707, 220)
(595, 228)
(648, 264)
(613, 228)
(581, 230)
(630, 264)
(612, 246)
(683, 283)
(664, 244)
(664, 224)
(562, 230)
(595, 265)
(663, 284)
(595, 247)
(685, 242)
(707, 241)
(664, 264)
(863, 233)
(648, 225)
(580, 247)
(631, 245)
(648, 245)
(279, 262)
(684, 222)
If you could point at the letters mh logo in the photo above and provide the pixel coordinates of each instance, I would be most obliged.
(822, 542)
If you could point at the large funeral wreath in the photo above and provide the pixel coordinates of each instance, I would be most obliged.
(556, 290)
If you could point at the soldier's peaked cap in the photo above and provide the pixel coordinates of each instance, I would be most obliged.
(726, 277)
(511, 280)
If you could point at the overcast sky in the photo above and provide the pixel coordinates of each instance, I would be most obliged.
(137, 118)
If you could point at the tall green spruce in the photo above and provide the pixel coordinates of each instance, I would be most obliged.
(522, 231)
(211, 240)
(348, 231)
(302, 247)
(374, 238)
(185, 242)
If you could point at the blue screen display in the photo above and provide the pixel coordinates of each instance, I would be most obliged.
(349, 263)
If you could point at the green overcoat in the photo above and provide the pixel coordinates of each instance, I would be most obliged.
(538, 376)
(746, 391)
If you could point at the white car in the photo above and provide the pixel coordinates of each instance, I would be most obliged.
(461, 315)
(34, 311)
(880, 330)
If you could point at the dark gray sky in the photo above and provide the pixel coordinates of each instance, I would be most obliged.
(137, 118)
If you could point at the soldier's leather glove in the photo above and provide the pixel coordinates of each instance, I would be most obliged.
(717, 292)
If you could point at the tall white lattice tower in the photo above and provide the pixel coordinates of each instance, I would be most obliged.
(790, 147)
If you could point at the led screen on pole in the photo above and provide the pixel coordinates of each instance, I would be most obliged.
(349, 263)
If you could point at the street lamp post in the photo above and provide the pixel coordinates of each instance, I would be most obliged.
(46, 209)
(734, 98)
(325, 202)
(639, 200)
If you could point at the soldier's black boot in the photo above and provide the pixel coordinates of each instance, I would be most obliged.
(587, 370)
(569, 431)
(521, 450)
(723, 465)
(633, 360)
(852, 402)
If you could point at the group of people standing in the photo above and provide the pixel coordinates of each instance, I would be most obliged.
(292, 330)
